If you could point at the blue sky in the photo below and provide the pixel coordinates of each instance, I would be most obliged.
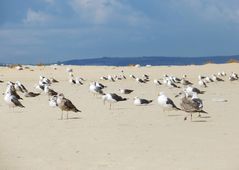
(33, 31)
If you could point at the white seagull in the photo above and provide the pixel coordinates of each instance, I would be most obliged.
(139, 102)
(12, 100)
(125, 91)
(112, 98)
(166, 103)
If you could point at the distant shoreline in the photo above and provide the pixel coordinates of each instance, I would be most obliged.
(143, 61)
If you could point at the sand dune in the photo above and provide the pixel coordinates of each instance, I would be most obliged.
(127, 137)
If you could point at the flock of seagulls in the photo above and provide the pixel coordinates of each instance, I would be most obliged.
(188, 94)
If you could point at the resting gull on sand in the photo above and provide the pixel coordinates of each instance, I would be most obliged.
(166, 103)
(65, 105)
(191, 105)
(125, 91)
(139, 102)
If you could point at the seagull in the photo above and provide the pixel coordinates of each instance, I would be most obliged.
(125, 91)
(69, 70)
(122, 71)
(208, 80)
(112, 98)
(201, 77)
(39, 87)
(72, 81)
(132, 76)
(234, 75)
(100, 85)
(171, 84)
(201, 83)
(221, 74)
(44, 80)
(12, 100)
(139, 80)
(31, 94)
(65, 105)
(166, 102)
(231, 78)
(95, 89)
(145, 77)
(11, 89)
(185, 82)
(190, 90)
(20, 87)
(110, 78)
(78, 81)
(157, 82)
(49, 91)
(103, 78)
(191, 105)
(140, 102)
(215, 78)
(175, 79)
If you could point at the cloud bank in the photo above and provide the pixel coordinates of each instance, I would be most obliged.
(51, 30)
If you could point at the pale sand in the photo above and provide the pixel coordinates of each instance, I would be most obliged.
(127, 137)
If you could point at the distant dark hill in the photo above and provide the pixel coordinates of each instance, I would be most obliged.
(125, 61)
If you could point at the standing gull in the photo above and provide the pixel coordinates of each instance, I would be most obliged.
(11, 89)
(191, 105)
(12, 100)
(112, 98)
(65, 105)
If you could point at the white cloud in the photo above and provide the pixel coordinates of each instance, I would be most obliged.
(210, 9)
(36, 17)
(103, 11)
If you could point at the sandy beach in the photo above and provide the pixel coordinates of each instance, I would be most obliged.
(126, 137)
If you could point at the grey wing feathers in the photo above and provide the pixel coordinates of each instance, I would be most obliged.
(16, 102)
(117, 97)
(144, 101)
(70, 105)
(169, 101)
